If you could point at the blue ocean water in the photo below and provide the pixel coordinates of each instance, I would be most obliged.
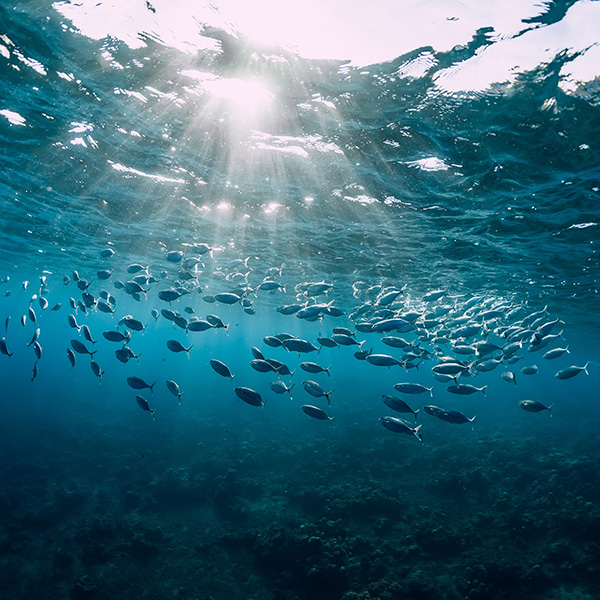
(283, 147)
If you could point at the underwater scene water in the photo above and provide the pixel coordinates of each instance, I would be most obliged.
(299, 301)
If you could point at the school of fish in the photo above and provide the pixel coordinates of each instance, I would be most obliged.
(456, 337)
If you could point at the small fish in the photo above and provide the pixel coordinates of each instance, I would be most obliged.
(106, 252)
(71, 356)
(199, 325)
(534, 406)
(116, 336)
(31, 314)
(104, 273)
(37, 349)
(529, 370)
(510, 377)
(139, 384)
(311, 367)
(56, 307)
(262, 366)
(36, 335)
(217, 323)
(249, 396)
(169, 295)
(314, 389)
(571, 371)
(173, 387)
(98, 372)
(450, 416)
(465, 389)
(257, 353)
(174, 256)
(87, 334)
(221, 368)
(155, 314)
(43, 302)
(104, 307)
(4, 349)
(400, 426)
(279, 387)
(555, 353)
(299, 346)
(227, 298)
(34, 372)
(132, 323)
(315, 412)
(398, 405)
(413, 388)
(143, 404)
(175, 346)
(81, 348)
(6, 322)
(382, 360)
(135, 268)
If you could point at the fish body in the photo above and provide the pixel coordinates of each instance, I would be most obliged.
(413, 388)
(382, 360)
(398, 405)
(450, 416)
(315, 412)
(4, 348)
(143, 404)
(279, 387)
(173, 387)
(299, 346)
(400, 426)
(534, 406)
(343, 339)
(262, 366)
(555, 353)
(510, 377)
(249, 396)
(125, 354)
(465, 389)
(81, 348)
(315, 390)
(389, 324)
(137, 383)
(116, 336)
(311, 367)
(221, 368)
(175, 346)
(571, 371)
(227, 298)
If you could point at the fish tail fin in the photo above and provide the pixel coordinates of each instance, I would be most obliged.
(152, 387)
(585, 367)
(416, 413)
(187, 350)
(567, 350)
(327, 394)
(92, 353)
(430, 390)
(483, 389)
(327, 370)
(417, 433)
(550, 409)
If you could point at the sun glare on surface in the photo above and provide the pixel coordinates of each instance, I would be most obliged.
(245, 96)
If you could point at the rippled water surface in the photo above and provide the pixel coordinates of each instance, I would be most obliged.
(445, 146)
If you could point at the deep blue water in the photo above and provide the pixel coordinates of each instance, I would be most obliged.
(467, 162)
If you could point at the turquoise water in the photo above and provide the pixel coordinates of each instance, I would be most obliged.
(276, 150)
